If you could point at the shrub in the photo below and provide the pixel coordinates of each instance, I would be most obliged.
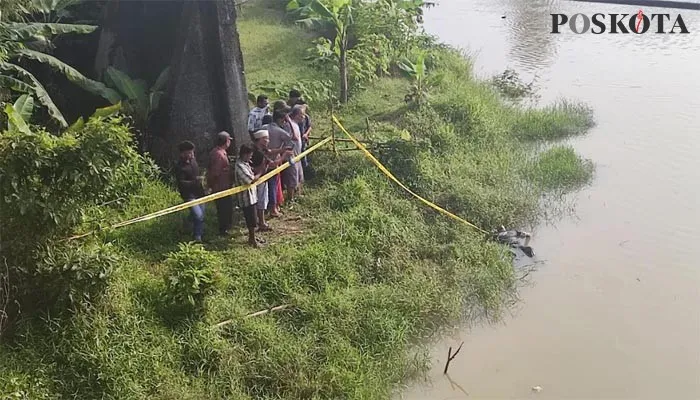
(192, 276)
(49, 180)
(73, 275)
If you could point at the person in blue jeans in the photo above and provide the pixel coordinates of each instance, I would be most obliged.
(190, 185)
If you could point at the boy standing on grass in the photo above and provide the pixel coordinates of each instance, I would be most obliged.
(189, 184)
(248, 198)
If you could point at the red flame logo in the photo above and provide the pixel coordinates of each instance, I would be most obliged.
(640, 18)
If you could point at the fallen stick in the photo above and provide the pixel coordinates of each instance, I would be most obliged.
(255, 314)
(451, 357)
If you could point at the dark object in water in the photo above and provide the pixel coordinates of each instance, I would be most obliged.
(512, 239)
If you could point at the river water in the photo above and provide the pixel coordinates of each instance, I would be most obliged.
(614, 312)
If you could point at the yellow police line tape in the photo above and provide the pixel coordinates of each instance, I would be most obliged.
(393, 178)
(206, 199)
(264, 178)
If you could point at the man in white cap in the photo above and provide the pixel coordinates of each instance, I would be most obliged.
(262, 161)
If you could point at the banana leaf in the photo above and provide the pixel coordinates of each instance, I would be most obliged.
(20, 31)
(38, 90)
(25, 106)
(72, 74)
(15, 123)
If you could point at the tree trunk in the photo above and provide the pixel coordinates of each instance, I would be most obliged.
(343, 72)
(206, 90)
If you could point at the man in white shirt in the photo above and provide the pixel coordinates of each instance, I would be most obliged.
(256, 115)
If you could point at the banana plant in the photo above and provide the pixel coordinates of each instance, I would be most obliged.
(421, 84)
(20, 113)
(18, 41)
(339, 16)
(140, 102)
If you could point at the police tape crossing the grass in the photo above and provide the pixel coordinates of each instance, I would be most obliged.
(211, 197)
(264, 178)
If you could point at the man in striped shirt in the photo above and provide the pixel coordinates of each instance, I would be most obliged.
(247, 199)
(256, 115)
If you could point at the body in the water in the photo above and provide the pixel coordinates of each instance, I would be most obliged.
(512, 239)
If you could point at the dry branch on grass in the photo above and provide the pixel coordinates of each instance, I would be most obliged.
(255, 314)
(451, 356)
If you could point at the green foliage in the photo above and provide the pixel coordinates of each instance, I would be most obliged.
(50, 178)
(561, 120)
(140, 102)
(23, 387)
(31, 40)
(48, 11)
(338, 15)
(192, 276)
(73, 275)
(421, 82)
(50, 183)
(316, 93)
(15, 121)
(560, 168)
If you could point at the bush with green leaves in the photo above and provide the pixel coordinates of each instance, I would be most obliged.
(50, 180)
(192, 276)
(73, 275)
(49, 183)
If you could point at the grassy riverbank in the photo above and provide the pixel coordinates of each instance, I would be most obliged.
(368, 272)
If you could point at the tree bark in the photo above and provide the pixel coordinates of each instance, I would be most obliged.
(206, 91)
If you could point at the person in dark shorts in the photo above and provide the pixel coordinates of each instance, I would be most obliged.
(190, 186)
(248, 198)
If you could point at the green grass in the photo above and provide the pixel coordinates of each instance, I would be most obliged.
(561, 120)
(561, 168)
(369, 272)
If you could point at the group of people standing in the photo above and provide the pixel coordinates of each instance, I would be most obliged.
(278, 135)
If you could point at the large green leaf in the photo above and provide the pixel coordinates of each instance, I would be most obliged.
(72, 74)
(154, 101)
(38, 90)
(47, 7)
(128, 87)
(162, 80)
(30, 30)
(15, 123)
(25, 106)
(14, 84)
(322, 11)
